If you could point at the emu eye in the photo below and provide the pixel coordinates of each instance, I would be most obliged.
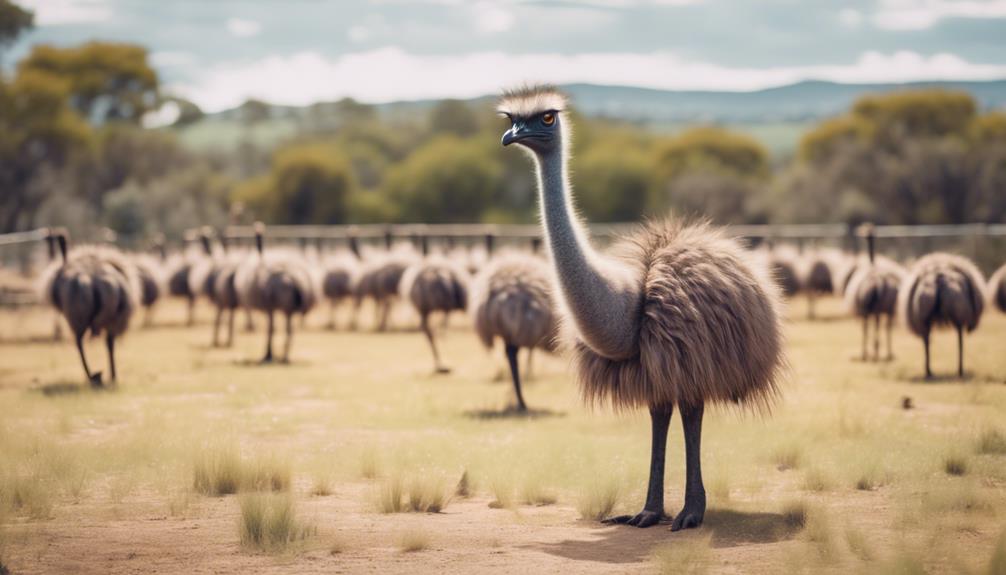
(548, 119)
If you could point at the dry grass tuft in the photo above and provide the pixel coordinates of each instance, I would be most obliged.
(816, 479)
(322, 486)
(788, 457)
(991, 442)
(686, 556)
(534, 493)
(421, 496)
(598, 500)
(463, 488)
(414, 540)
(221, 471)
(369, 465)
(955, 465)
(269, 522)
(389, 496)
(794, 515)
(503, 495)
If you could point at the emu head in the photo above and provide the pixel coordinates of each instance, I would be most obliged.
(536, 118)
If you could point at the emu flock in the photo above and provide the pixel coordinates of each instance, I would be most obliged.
(675, 315)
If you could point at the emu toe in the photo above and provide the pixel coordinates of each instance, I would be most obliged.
(95, 380)
(442, 370)
(642, 519)
(687, 519)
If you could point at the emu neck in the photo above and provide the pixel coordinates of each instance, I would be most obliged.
(871, 248)
(602, 296)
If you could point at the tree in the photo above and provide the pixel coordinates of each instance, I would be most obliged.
(310, 183)
(613, 182)
(712, 149)
(453, 117)
(38, 130)
(107, 81)
(13, 21)
(446, 180)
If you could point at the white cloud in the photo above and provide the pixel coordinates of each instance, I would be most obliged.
(392, 74)
(63, 12)
(170, 59)
(242, 28)
(850, 17)
(491, 18)
(923, 14)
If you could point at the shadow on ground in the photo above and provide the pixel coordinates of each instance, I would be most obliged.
(623, 544)
(511, 412)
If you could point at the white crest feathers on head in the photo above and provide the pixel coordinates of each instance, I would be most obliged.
(530, 100)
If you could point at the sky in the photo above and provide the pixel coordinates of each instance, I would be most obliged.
(218, 53)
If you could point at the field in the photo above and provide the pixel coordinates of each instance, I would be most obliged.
(331, 456)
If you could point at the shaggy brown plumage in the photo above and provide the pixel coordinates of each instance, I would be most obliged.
(709, 327)
(435, 285)
(942, 289)
(997, 289)
(379, 279)
(819, 276)
(511, 299)
(337, 283)
(96, 289)
(873, 293)
(783, 267)
(149, 272)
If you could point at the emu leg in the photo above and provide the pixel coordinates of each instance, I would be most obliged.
(866, 325)
(268, 339)
(653, 510)
(424, 323)
(530, 355)
(147, 319)
(216, 327)
(331, 316)
(925, 340)
(876, 338)
(249, 322)
(230, 327)
(385, 311)
(695, 492)
(511, 355)
(960, 352)
(811, 299)
(289, 337)
(57, 328)
(192, 312)
(93, 379)
(890, 348)
(110, 344)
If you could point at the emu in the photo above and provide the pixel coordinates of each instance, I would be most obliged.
(340, 272)
(873, 293)
(942, 289)
(819, 278)
(432, 285)
(151, 284)
(673, 316)
(275, 282)
(178, 278)
(511, 298)
(997, 288)
(95, 289)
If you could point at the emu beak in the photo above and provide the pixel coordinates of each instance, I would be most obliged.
(516, 133)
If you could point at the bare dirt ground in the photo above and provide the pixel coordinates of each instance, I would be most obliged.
(102, 482)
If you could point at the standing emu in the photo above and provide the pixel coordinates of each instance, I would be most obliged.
(340, 272)
(151, 284)
(511, 299)
(873, 293)
(997, 288)
(434, 285)
(942, 289)
(673, 316)
(819, 278)
(178, 279)
(95, 288)
(275, 282)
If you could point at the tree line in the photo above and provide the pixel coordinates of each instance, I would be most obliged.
(73, 151)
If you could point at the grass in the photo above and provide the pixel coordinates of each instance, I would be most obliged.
(955, 465)
(414, 540)
(997, 563)
(992, 441)
(597, 500)
(269, 522)
(685, 556)
(419, 495)
(221, 471)
(344, 419)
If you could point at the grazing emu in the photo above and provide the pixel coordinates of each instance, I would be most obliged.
(782, 264)
(819, 277)
(337, 283)
(434, 285)
(672, 316)
(511, 299)
(95, 288)
(997, 289)
(151, 284)
(942, 289)
(178, 279)
(873, 293)
(275, 282)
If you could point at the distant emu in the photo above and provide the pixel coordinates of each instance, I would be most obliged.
(511, 299)
(275, 282)
(819, 278)
(178, 278)
(997, 288)
(672, 316)
(340, 273)
(873, 293)
(96, 290)
(434, 285)
(942, 289)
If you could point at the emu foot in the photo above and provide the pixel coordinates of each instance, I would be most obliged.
(689, 517)
(95, 380)
(441, 370)
(644, 518)
(265, 360)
